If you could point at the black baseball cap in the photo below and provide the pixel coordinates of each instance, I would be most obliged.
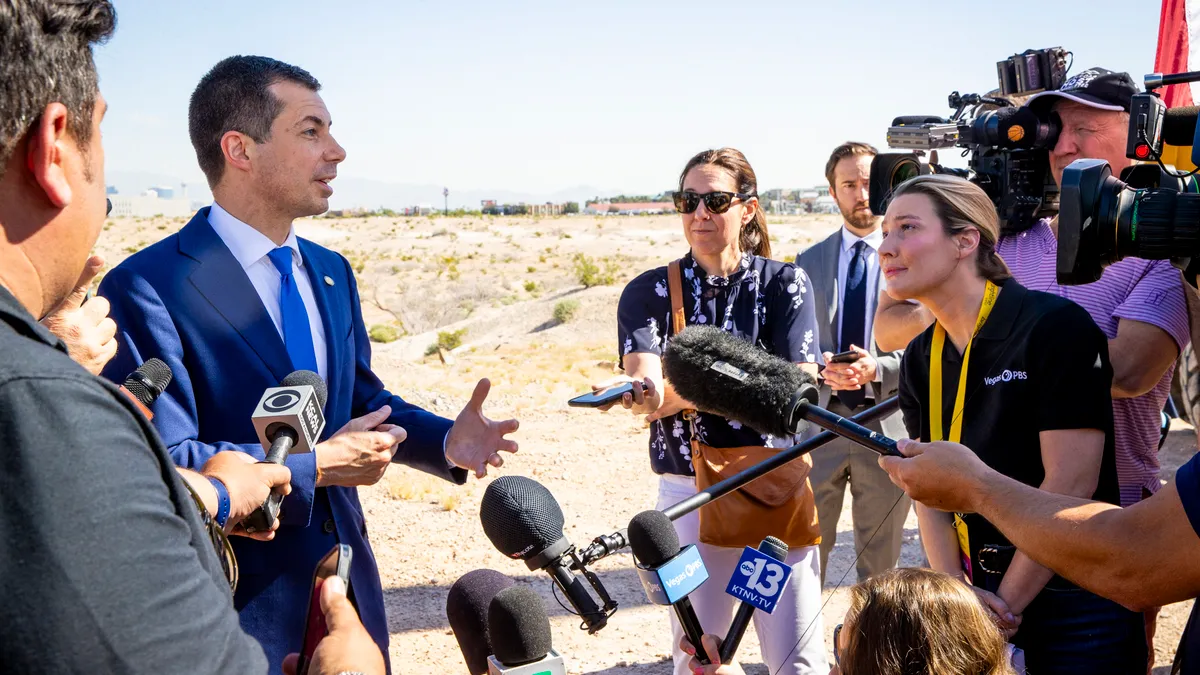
(1095, 88)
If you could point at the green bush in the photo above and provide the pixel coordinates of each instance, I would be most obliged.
(448, 340)
(565, 310)
(530, 286)
(588, 272)
(383, 333)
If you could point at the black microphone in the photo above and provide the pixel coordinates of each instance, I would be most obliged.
(467, 611)
(146, 384)
(728, 376)
(520, 634)
(668, 574)
(777, 550)
(289, 418)
(1179, 125)
(524, 522)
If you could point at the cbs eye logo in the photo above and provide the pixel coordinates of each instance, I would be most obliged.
(281, 401)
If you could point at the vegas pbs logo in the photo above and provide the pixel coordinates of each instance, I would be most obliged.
(281, 401)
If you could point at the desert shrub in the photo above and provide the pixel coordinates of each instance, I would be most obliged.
(383, 333)
(589, 274)
(565, 310)
(448, 340)
(530, 286)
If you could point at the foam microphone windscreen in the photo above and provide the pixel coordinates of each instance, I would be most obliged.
(728, 376)
(518, 626)
(520, 516)
(1179, 125)
(149, 381)
(652, 538)
(467, 611)
(299, 378)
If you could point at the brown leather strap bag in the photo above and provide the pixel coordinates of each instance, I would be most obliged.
(779, 504)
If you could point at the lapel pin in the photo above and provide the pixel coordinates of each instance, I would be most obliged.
(328, 281)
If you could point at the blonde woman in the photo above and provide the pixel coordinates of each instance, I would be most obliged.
(1023, 379)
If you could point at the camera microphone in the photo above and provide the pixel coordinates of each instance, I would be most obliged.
(728, 376)
(289, 418)
(667, 572)
(146, 384)
(519, 631)
(467, 611)
(524, 522)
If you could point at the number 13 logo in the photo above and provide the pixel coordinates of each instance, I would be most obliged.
(768, 585)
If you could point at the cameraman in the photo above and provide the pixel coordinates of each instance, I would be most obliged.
(1139, 304)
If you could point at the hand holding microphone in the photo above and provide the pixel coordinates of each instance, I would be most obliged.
(249, 482)
(715, 666)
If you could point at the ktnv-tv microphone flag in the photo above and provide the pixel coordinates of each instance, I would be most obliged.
(758, 581)
(667, 573)
(519, 631)
(728, 376)
(524, 522)
(289, 418)
(467, 611)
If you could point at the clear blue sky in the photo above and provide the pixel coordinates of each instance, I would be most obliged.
(540, 97)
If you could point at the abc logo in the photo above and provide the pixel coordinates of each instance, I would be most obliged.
(747, 568)
(281, 401)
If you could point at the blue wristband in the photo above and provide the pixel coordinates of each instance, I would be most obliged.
(222, 513)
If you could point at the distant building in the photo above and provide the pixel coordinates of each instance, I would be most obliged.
(163, 192)
(148, 206)
(546, 209)
(628, 209)
(110, 190)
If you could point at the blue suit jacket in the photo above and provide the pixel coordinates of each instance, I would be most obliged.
(187, 301)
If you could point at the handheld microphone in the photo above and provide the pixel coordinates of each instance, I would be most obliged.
(288, 419)
(146, 384)
(667, 573)
(728, 376)
(520, 633)
(524, 522)
(776, 549)
(467, 611)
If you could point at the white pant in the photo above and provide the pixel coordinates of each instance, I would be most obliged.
(793, 636)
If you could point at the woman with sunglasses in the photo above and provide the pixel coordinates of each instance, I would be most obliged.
(1022, 378)
(727, 279)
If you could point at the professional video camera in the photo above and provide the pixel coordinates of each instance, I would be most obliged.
(1008, 145)
(1151, 212)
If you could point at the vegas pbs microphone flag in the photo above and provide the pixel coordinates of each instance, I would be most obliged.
(1178, 52)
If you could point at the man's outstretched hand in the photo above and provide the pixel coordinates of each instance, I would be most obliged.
(475, 441)
(942, 475)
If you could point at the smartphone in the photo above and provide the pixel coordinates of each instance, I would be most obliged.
(336, 562)
(599, 398)
(844, 357)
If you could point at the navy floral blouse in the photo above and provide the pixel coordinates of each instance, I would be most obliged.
(766, 302)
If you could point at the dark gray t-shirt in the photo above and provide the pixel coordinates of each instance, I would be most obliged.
(105, 565)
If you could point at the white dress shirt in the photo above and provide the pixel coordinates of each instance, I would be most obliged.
(250, 247)
(871, 255)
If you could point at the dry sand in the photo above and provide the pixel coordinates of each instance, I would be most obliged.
(500, 280)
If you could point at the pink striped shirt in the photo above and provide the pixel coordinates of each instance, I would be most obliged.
(1150, 291)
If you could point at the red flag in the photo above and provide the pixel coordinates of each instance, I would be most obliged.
(1175, 47)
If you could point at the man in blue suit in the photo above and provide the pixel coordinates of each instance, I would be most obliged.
(235, 301)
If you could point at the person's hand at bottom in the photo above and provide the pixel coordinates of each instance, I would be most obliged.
(712, 647)
(1004, 618)
(348, 647)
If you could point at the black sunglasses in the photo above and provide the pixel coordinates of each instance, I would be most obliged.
(715, 202)
(108, 210)
(837, 652)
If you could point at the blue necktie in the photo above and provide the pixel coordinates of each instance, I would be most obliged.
(297, 334)
(854, 317)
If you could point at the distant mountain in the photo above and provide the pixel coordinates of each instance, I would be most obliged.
(366, 193)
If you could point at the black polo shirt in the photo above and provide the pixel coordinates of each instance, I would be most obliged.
(1038, 364)
(106, 566)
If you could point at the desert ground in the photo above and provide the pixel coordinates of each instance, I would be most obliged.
(506, 298)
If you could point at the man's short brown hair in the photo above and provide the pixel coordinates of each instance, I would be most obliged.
(847, 149)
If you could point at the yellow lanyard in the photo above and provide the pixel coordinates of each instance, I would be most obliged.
(938, 430)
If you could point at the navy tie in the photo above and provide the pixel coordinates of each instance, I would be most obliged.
(297, 334)
(854, 317)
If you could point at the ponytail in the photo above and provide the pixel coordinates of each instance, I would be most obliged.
(754, 238)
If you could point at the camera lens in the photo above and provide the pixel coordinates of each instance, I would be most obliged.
(1103, 219)
(889, 170)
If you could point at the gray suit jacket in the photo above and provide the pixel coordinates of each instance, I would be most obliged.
(820, 261)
